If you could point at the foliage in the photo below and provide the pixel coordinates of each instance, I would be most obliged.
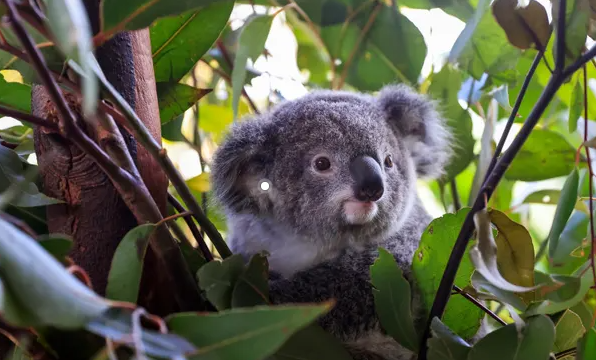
(528, 271)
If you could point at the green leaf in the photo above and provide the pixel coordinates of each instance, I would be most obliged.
(250, 45)
(252, 286)
(577, 105)
(250, 334)
(484, 255)
(218, 278)
(69, 25)
(57, 245)
(551, 197)
(428, 264)
(194, 259)
(392, 300)
(577, 22)
(175, 46)
(483, 47)
(515, 250)
(585, 312)
(444, 88)
(586, 348)
(392, 51)
(215, 119)
(116, 324)
(312, 343)
(444, 344)
(200, 183)
(173, 130)
(137, 14)
(175, 99)
(545, 154)
(534, 341)
(124, 278)
(569, 292)
(12, 173)
(564, 209)
(569, 330)
(52, 297)
(15, 95)
(480, 283)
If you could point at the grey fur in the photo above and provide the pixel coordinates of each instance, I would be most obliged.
(315, 253)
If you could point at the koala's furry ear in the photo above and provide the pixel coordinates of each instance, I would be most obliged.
(415, 120)
(239, 165)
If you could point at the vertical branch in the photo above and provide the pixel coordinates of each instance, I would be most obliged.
(560, 59)
(513, 115)
(455, 195)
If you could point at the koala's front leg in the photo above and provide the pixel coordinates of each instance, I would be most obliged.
(345, 279)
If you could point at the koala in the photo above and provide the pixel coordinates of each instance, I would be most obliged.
(320, 183)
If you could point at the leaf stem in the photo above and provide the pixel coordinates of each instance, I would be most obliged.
(192, 226)
(455, 195)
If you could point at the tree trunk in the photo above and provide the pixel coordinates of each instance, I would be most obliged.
(93, 212)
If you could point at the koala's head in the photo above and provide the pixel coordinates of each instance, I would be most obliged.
(333, 165)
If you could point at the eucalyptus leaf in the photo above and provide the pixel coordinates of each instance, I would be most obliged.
(249, 333)
(52, 297)
(577, 105)
(175, 99)
(250, 45)
(218, 278)
(444, 344)
(564, 209)
(392, 300)
(15, 95)
(569, 330)
(175, 46)
(428, 264)
(138, 14)
(69, 24)
(124, 279)
(586, 347)
(546, 154)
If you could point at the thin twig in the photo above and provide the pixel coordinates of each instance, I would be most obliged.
(230, 63)
(475, 301)
(28, 118)
(193, 228)
(455, 195)
(363, 34)
(565, 353)
(512, 116)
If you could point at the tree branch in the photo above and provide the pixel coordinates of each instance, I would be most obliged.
(475, 301)
(192, 226)
(28, 118)
(513, 115)
(560, 59)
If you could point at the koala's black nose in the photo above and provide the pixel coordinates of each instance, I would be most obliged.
(366, 173)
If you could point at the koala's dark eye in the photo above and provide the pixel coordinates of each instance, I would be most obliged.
(389, 161)
(322, 163)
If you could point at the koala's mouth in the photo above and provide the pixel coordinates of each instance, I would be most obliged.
(359, 212)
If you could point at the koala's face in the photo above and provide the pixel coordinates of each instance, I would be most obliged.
(337, 166)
